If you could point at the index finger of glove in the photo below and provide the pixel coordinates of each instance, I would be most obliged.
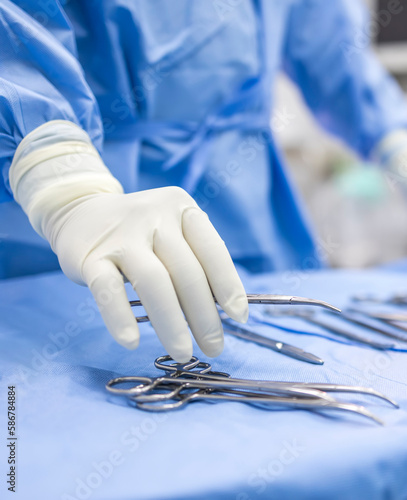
(217, 263)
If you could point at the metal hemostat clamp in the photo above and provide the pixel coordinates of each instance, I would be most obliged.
(262, 298)
(184, 383)
(267, 298)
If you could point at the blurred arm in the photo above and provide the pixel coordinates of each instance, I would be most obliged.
(327, 54)
(41, 79)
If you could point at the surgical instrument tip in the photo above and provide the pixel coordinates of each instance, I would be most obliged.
(361, 410)
(312, 302)
(254, 298)
(349, 389)
(391, 401)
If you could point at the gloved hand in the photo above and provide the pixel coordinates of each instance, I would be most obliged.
(391, 153)
(159, 239)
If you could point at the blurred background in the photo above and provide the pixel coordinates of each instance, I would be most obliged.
(359, 216)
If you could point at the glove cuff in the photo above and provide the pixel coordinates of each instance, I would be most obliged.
(53, 166)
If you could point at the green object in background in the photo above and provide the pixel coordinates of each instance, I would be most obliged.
(362, 181)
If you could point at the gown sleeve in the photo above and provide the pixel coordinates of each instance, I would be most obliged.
(40, 78)
(327, 54)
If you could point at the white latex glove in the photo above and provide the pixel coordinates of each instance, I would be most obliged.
(160, 240)
(391, 153)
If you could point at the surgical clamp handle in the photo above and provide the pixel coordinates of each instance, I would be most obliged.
(206, 381)
(177, 369)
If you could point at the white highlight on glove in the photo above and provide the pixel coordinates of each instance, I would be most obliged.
(159, 239)
(391, 153)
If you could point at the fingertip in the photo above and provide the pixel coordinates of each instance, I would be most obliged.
(214, 348)
(128, 338)
(175, 338)
(237, 308)
(179, 347)
(181, 356)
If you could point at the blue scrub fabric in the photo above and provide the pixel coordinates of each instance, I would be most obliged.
(75, 441)
(180, 92)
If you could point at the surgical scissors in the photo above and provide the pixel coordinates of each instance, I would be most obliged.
(384, 326)
(399, 299)
(386, 316)
(195, 380)
(393, 319)
(325, 323)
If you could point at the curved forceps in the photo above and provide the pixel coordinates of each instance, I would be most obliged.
(206, 379)
(188, 382)
(262, 298)
(183, 369)
(145, 385)
(183, 375)
(180, 400)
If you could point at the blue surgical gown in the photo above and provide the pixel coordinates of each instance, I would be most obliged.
(178, 92)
